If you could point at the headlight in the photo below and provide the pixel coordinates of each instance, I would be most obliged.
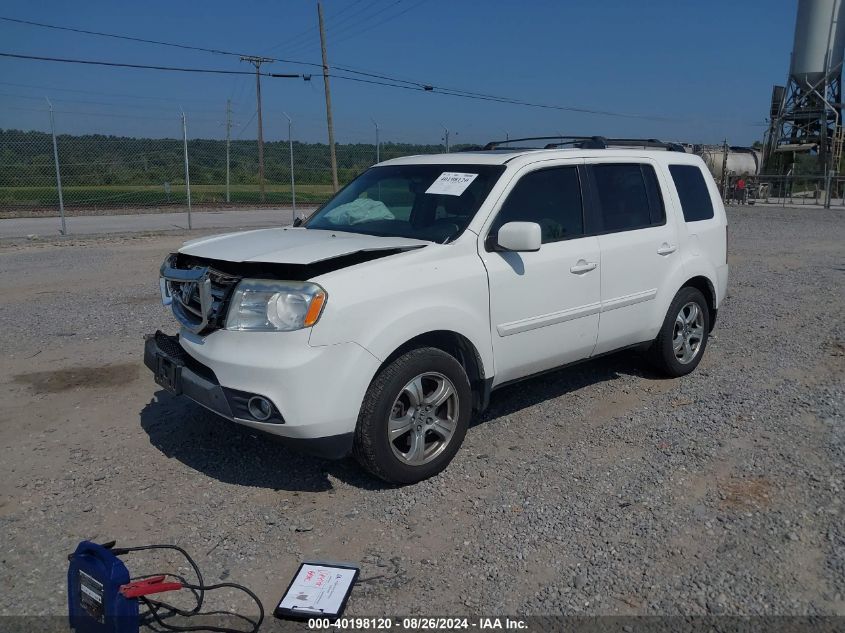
(275, 306)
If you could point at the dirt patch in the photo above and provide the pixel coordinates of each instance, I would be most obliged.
(73, 377)
(745, 494)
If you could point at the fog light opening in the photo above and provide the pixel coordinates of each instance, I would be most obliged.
(260, 408)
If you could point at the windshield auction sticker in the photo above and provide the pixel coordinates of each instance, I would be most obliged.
(451, 183)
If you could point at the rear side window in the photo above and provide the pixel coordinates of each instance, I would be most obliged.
(628, 197)
(551, 198)
(692, 189)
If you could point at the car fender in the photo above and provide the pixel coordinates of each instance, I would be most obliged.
(383, 304)
(675, 279)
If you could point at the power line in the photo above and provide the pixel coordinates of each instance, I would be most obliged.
(297, 40)
(246, 125)
(388, 83)
(119, 37)
(142, 66)
(419, 85)
(216, 51)
(362, 18)
(505, 100)
(348, 35)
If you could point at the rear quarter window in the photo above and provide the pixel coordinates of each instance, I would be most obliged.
(693, 192)
(628, 197)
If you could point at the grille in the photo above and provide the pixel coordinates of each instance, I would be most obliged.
(197, 294)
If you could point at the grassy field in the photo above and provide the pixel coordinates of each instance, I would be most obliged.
(23, 201)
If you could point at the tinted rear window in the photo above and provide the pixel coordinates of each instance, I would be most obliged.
(628, 196)
(692, 189)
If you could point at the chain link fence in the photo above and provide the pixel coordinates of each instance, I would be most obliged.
(100, 174)
(47, 174)
(785, 190)
(793, 190)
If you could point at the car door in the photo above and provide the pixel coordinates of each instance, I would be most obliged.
(544, 305)
(638, 248)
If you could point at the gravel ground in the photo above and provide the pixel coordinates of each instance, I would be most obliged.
(599, 489)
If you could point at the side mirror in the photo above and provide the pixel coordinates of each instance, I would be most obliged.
(520, 237)
(297, 221)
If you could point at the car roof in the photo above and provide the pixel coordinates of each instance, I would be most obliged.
(525, 156)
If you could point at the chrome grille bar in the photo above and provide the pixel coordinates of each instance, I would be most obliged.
(182, 289)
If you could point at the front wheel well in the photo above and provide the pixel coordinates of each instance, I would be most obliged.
(461, 349)
(706, 287)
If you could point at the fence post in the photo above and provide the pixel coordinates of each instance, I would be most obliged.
(292, 178)
(187, 170)
(827, 182)
(378, 145)
(228, 137)
(58, 171)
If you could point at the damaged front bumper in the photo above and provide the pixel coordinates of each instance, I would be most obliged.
(180, 374)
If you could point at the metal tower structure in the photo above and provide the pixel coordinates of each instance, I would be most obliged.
(806, 114)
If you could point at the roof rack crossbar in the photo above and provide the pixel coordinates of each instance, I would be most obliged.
(590, 142)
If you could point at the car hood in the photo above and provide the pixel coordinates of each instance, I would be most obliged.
(291, 245)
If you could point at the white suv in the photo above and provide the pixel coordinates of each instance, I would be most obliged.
(382, 323)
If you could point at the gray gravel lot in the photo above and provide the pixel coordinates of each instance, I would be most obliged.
(598, 489)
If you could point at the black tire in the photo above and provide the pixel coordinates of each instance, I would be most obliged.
(661, 354)
(372, 448)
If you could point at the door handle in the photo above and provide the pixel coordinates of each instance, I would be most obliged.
(583, 267)
(666, 249)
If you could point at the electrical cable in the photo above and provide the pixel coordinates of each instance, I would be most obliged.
(298, 40)
(155, 606)
(349, 26)
(119, 37)
(198, 590)
(370, 27)
(143, 66)
(426, 88)
(422, 85)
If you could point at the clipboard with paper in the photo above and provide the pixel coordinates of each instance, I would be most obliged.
(318, 589)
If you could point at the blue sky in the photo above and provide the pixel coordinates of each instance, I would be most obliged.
(702, 70)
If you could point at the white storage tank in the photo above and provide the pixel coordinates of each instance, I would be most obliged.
(741, 160)
(819, 41)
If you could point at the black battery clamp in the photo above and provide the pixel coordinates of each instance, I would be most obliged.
(104, 598)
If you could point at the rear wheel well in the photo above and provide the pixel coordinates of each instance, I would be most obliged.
(461, 349)
(706, 287)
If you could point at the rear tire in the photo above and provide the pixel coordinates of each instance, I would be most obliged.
(414, 417)
(682, 339)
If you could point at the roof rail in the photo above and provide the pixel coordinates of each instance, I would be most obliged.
(590, 142)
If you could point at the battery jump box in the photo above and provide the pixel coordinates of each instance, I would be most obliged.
(95, 603)
(103, 597)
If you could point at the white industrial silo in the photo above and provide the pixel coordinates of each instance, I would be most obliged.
(806, 115)
(819, 41)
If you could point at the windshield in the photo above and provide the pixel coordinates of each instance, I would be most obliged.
(424, 202)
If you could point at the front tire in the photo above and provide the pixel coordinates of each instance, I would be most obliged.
(414, 417)
(682, 339)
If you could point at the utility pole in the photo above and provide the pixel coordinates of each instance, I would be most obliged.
(378, 153)
(228, 141)
(446, 136)
(725, 171)
(257, 61)
(329, 122)
(292, 179)
(58, 171)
